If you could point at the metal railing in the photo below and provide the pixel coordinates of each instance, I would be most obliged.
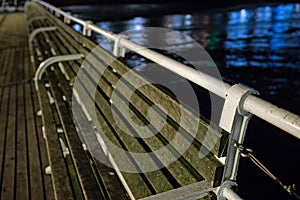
(11, 6)
(281, 118)
(240, 101)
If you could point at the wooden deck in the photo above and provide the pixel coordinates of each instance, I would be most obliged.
(23, 154)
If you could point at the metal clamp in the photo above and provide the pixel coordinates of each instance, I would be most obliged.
(48, 62)
(235, 120)
(39, 30)
(86, 31)
(118, 50)
(234, 102)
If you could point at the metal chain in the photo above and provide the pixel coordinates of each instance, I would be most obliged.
(248, 153)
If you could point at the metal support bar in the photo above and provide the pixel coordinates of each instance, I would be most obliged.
(86, 30)
(235, 120)
(225, 192)
(48, 62)
(189, 192)
(118, 49)
(39, 30)
(229, 194)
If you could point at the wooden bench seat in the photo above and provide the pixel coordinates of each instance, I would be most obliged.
(83, 172)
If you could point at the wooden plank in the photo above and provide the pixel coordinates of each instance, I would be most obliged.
(12, 74)
(41, 145)
(34, 157)
(9, 158)
(4, 67)
(111, 187)
(10, 153)
(156, 96)
(81, 163)
(209, 165)
(40, 184)
(135, 181)
(60, 180)
(3, 127)
(22, 182)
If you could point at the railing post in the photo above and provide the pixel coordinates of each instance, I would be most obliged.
(57, 13)
(86, 30)
(118, 49)
(67, 19)
(235, 120)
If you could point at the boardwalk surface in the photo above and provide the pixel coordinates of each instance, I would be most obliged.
(22, 148)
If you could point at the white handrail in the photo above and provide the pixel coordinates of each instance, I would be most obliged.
(280, 118)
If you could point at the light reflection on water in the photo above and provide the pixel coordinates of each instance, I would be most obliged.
(266, 38)
(257, 46)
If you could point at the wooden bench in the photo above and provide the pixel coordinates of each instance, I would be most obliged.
(82, 172)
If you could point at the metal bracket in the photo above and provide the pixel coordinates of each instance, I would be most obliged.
(235, 120)
(36, 18)
(235, 98)
(86, 31)
(39, 30)
(48, 62)
(118, 50)
(66, 19)
(64, 148)
(57, 14)
(225, 192)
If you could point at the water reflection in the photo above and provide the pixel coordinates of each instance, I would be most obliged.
(249, 41)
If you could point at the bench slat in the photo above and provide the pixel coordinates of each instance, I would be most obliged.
(60, 179)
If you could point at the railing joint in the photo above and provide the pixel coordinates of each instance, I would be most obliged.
(86, 30)
(118, 49)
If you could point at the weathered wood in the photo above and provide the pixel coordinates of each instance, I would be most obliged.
(4, 120)
(60, 180)
(189, 168)
(17, 180)
(10, 156)
(40, 184)
(22, 186)
(81, 163)
(157, 96)
(143, 106)
(135, 181)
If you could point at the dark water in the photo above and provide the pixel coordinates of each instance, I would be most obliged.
(259, 46)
